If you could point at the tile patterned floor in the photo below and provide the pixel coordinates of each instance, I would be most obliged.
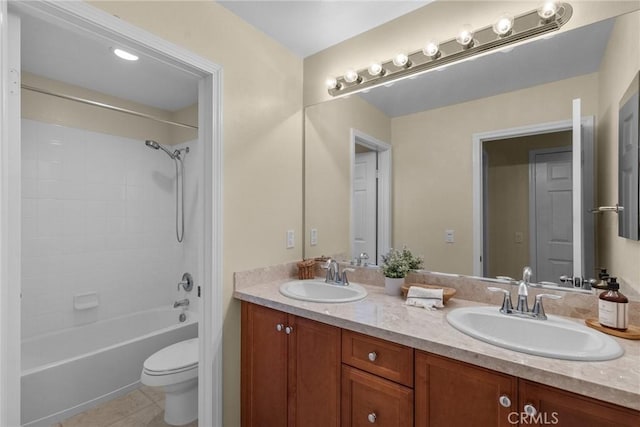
(143, 407)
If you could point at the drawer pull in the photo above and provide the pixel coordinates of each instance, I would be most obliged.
(372, 417)
(279, 327)
(530, 410)
(288, 330)
(505, 401)
(373, 356)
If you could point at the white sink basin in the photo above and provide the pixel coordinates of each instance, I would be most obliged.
(319, 291)
(555, 337)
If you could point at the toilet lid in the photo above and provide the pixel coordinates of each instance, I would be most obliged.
(178, 356)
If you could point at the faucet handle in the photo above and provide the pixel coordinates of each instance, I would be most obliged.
(345, 280)
(507, 305)
(538, 308)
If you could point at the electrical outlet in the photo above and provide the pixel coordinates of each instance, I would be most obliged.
(519, 237)
(449, 236)
(290, 239)
(314, 237)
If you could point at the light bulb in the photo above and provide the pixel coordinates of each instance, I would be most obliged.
(123, 54)
(548, 10)
(375, 69)
(432, 49)
(401, 60)
(332, 83)
(351, 76)
(503, 25)
(465, 36)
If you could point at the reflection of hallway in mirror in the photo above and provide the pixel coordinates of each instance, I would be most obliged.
(520, 227)
(365, 202)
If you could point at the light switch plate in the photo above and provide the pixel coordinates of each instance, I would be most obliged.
(290, 239)
(314, 237)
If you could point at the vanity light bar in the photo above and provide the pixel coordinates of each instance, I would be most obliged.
(525, 26)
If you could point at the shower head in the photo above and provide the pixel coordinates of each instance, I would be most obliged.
(153, 144)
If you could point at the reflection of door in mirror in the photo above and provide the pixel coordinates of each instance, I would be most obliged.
(370, 197)
(629, 162)
(528, 217)
(528, 201)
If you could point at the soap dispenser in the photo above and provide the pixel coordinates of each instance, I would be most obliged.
(612, 307)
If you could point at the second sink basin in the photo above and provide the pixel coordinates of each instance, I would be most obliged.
(319, 291)
(555, 337)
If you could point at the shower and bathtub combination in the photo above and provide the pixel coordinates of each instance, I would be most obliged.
(100, 263)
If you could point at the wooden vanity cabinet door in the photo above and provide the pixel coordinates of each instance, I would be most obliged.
(565, 409)
(370, 400)
(314, 374)
(456, 394)
(264, 367)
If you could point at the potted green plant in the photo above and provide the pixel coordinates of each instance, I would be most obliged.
(396, 264)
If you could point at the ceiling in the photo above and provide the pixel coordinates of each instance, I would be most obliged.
(83, 59)
(306, 27)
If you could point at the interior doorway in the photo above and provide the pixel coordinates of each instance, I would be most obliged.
(86, 18)
(528, 200)
(370, 196)
(580, 131)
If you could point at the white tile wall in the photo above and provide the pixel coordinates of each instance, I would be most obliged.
(98, 216)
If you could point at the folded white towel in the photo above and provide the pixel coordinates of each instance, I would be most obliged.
(425, 298)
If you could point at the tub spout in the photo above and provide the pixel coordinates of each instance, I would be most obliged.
(181, 303)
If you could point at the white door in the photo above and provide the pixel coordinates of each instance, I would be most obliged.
(628, 169)
(364, 205)
(552, 211)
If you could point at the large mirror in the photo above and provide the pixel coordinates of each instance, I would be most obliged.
(629, 161)
(471, 167)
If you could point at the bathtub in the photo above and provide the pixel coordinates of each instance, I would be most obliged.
(67, 372)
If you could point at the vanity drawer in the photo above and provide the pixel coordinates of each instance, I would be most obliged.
(386, 359)
(368, 399)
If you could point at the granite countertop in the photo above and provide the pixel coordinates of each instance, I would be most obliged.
(387, 317)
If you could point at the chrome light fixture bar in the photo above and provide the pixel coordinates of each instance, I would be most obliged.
(527, 25)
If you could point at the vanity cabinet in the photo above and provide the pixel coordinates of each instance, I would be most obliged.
(566, 409)
(452, 393)
(377, 382)
(290, 370)
(299, 372)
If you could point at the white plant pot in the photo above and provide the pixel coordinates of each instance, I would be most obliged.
(392, 285)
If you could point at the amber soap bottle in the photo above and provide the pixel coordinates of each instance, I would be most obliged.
(613, 307)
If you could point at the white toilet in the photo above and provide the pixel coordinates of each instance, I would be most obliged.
(175, 369)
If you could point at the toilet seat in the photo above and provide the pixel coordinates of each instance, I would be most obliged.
(176, 358)
(174, 364)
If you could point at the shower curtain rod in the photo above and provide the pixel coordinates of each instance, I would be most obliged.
(107, 106)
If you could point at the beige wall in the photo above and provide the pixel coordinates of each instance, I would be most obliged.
(432, 164)
(262, 136)
(327, 168)
(508, 210)
(619, 66)
(441, 20)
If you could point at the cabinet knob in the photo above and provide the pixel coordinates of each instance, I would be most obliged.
(530, 410)
(279, 327)
(373, 356)
(372, 417)
(288, 330)
(505, 401)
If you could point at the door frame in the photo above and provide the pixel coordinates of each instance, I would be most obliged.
(587, 124)
(356, 136)
(533, 236)
(83, 15)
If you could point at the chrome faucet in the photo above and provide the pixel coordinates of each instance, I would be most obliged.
(523, 291)
(522, 309)
(181, 303)
(333, 273)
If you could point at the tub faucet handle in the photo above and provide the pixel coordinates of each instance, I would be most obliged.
(186, 283)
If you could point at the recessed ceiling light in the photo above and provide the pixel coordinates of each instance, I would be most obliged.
(128, 56)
